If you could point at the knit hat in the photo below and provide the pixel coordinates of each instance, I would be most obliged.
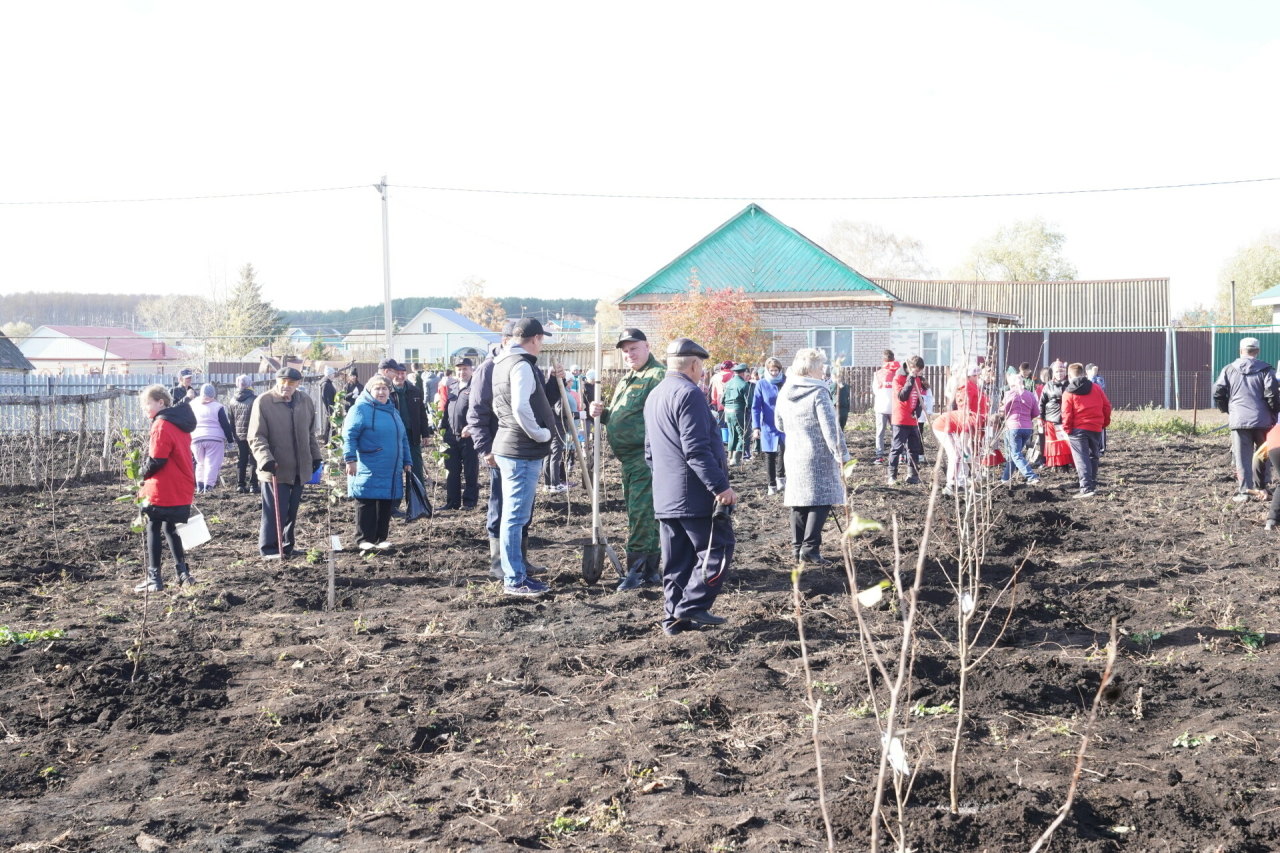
(208, 390)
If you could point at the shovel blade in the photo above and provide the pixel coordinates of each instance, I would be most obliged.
(593, 560)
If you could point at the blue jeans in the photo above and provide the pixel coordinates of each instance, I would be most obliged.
(1014, 441)
(519, 487)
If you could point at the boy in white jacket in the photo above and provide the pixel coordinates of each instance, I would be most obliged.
(882, 401)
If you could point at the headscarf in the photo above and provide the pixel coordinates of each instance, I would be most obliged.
(243, 381)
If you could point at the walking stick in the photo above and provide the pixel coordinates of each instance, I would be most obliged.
(275, 489)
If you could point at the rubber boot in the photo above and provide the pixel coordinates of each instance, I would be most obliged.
(653, 571)
(736, 458)
(184, 575)
(637, 567)
(529, 567)
(495, 559)
(152, 582)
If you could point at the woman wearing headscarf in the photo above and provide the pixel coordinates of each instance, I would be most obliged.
(763, 426)
(1057, 449)
(209, 441)
(815, 453)
(375, 445)
(168, 483)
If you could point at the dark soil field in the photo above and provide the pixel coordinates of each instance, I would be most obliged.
(430, 712)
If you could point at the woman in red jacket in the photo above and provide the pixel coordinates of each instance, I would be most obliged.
(169, 481)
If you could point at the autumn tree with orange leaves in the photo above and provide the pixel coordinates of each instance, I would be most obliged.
(724, 322)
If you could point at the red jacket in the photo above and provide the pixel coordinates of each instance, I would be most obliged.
(970, 399)
(1085, 407)
(175, 482)
(904, 411)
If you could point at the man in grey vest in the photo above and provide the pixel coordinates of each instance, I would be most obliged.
(522, 441)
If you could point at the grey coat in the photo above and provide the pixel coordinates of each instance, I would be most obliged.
(815, 448)
(1247, 389)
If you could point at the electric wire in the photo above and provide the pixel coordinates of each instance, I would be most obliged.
(185, 197)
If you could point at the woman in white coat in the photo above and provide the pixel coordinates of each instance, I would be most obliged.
(815, 453)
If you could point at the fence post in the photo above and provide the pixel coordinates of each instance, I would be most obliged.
(1177, 384)
(1168, 366)
(82, 439)
(106, 431)
(35, 443)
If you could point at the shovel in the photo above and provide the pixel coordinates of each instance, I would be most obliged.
(593, 556)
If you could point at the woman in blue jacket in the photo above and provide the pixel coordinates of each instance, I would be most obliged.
(376, 447)
(763, 405)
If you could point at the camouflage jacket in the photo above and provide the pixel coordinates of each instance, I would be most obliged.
(736, 393)
(625, 415)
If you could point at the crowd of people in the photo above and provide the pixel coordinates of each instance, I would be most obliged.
(676, 428)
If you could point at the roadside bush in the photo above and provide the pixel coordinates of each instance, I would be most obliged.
(1151, 420)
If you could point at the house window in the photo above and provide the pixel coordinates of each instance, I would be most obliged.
(836, 343)
(426, 328)
(935, 348)
(437, 353)
(411, 355)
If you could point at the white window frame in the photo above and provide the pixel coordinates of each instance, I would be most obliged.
(426, 328)
(937, 349)
(830, 348)
(411, 354)
(436, 354)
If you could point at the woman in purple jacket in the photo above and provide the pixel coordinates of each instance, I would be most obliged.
(1019, 409)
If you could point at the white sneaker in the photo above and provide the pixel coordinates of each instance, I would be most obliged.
(782, 483)
(383, 545)
(892, 481)
(366, 546)
(558, 489)
(1240, 498)
(772, 491)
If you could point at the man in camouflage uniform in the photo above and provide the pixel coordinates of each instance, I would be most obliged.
(624, 422)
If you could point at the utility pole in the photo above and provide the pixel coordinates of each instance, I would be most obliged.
(386, 264)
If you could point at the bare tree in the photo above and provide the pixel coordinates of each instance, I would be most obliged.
(608, 314)
(874, 252)
(1027, 250)
(17, 332)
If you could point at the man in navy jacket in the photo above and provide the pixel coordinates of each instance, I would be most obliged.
(682, 447)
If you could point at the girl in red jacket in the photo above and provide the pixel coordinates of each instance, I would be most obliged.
(908, 399)
(169, 481)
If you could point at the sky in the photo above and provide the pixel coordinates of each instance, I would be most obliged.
(113, 101)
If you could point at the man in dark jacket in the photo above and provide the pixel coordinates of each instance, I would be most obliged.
(1086, 412)
(691, 491)
(327, 393)
(408, 400)
(185, 391)
(482, 424)
(522, 441)
(461, 489)
(240, 408)
(1247, 391)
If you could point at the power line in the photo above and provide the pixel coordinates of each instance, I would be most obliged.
(833, 198)
(185, 197)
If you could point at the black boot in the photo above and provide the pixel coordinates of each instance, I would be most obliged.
(184, 575)
(495, 559)
(652, 569)
(637, 565)
(529, 567)
(152, 582)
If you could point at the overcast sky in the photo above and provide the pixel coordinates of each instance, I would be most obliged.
(116, 100)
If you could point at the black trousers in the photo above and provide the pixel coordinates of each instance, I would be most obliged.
(689, 544)
(162, 526)
(373, 520)
(1085, 445)
(290, 498)
(463, 467)
(906, 445)
(806, 528)
(775, 462)
(245, 464)
(1251, 473)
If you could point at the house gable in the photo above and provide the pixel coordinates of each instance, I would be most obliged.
(758, 254)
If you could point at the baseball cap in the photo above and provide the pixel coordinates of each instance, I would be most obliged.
(1250, 343)
(739, 367)
(508, 328)
(630, 335)
(527, 327)
(463, 362)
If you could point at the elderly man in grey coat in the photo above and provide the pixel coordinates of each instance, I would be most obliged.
(1247, 390)
(815, 453)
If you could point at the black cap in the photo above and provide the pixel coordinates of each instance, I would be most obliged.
(463, 362)
(289, 373)
(527, 327)
(391, 363)
(508, 328)
(630, 335)
(186, 371)
(684, 346)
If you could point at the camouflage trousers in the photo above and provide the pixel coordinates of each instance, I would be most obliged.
(736, 420)
(637, 491)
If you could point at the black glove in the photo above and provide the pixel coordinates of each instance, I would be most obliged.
(270, 467)
(152, 468)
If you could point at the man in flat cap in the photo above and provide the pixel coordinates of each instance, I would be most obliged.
(691, 493)
(463, 467)
(286, 452)
(624, 422)
(735, 398)
(1247, 391)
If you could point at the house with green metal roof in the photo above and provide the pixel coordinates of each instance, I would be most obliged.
(806, 297)
(1271, 297)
